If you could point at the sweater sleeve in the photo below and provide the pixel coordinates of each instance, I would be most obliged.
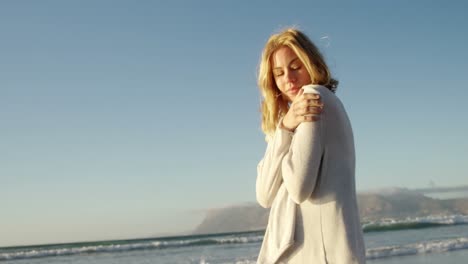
(300, 166)
(269, 168)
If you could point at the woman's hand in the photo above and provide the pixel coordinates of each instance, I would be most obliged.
(306, 107)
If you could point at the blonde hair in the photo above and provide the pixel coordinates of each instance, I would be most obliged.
(273, 105)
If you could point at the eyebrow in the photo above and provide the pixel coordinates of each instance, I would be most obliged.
(293, 60)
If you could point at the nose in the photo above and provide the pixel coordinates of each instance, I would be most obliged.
(290, 76)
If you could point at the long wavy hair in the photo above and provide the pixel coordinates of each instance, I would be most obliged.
(274, 106)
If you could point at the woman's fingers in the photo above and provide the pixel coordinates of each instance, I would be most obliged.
(309, 114)
(311, 96)
(305, 104)
(316, 104)
(310, 100)
(308, 108)
(310, 118)
(314, 110)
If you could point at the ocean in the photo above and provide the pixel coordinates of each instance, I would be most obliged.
(434, 239)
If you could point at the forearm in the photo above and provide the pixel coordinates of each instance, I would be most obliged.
(269, 169)
(300, 166)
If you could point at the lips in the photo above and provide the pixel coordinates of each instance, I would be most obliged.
(294, 90)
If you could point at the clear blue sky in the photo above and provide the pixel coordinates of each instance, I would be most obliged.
(125, 119)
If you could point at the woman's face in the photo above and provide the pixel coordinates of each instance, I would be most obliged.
(289, 72)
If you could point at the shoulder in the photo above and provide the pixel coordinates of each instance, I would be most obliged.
(316, 88)
(329, 98)
(323, 91)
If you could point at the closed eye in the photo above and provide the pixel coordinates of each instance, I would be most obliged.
(277, 73)
(295, 67)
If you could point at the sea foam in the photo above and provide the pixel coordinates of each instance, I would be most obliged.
(418, 248)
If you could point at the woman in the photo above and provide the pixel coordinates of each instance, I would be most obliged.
(307, 173)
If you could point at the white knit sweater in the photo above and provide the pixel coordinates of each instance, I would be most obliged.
(307, 178)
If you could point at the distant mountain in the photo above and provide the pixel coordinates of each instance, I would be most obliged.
(400, 203)
(246, 217)
(442, 189)
(388, 203)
